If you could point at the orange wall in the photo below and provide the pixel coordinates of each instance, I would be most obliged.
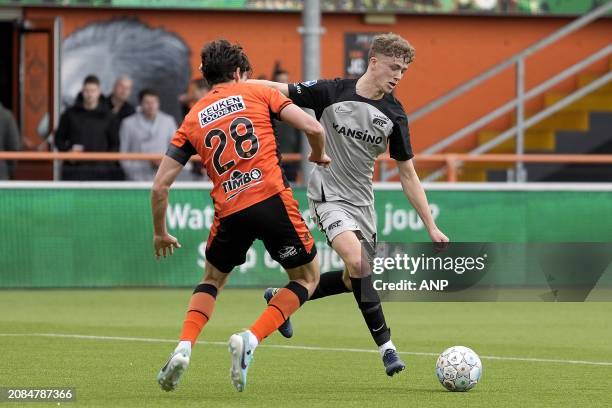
(35, 88)
(450, 50)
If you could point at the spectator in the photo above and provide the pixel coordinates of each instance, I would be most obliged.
(147, 131)
(118, 99)
(9, 141)
(288, 139)
(88, 126)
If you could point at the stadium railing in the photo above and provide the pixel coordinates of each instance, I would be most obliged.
(451, 161)
(522, 94)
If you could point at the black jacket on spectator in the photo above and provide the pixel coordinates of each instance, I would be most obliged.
(96, 130)
(126, 109)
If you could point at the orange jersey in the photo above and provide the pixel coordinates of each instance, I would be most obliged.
(231, 129)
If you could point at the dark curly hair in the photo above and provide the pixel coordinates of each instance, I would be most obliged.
(220, 59)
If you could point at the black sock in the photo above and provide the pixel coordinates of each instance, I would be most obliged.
(369, 303)
(331, 283)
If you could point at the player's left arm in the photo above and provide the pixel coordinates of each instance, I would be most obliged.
(400, 149)
(168, 171)
(413, 189)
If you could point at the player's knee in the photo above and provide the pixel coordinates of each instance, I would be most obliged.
(356, 267)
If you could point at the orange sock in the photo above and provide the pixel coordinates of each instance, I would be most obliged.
(281, 306)
(199, 312)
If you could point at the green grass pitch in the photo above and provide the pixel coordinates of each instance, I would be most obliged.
(516, 342)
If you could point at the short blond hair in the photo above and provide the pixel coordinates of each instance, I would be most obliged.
(392, 45)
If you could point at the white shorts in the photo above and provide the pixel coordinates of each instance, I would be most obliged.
(335, 217)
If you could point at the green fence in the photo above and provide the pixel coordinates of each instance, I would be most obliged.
(100, 237)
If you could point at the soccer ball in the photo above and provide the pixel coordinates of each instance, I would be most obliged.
(458, 368)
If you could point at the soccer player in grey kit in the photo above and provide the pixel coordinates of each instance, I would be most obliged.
(361, 118)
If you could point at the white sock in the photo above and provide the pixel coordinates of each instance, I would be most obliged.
(184, 344)
(388, 345)
(253, 342)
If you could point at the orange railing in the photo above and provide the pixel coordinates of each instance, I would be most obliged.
(450, 160)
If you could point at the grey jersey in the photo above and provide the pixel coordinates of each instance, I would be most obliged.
(357, 131)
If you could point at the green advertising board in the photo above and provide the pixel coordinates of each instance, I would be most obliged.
(101, 237)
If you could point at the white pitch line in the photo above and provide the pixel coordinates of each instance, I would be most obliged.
(290, 347)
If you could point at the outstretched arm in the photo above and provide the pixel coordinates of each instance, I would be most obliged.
(413, 189)
(283, 88)
(168, 171)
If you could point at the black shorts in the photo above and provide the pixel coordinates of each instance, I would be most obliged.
(276, 221)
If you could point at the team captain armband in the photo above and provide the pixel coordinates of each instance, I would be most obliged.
(181, 154)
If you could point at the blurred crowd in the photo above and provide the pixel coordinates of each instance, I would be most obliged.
(110, 123)
(99, 123)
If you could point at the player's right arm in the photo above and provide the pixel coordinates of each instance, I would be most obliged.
(167, 173)
(283, 88)
(299, 119)
(176, 157)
